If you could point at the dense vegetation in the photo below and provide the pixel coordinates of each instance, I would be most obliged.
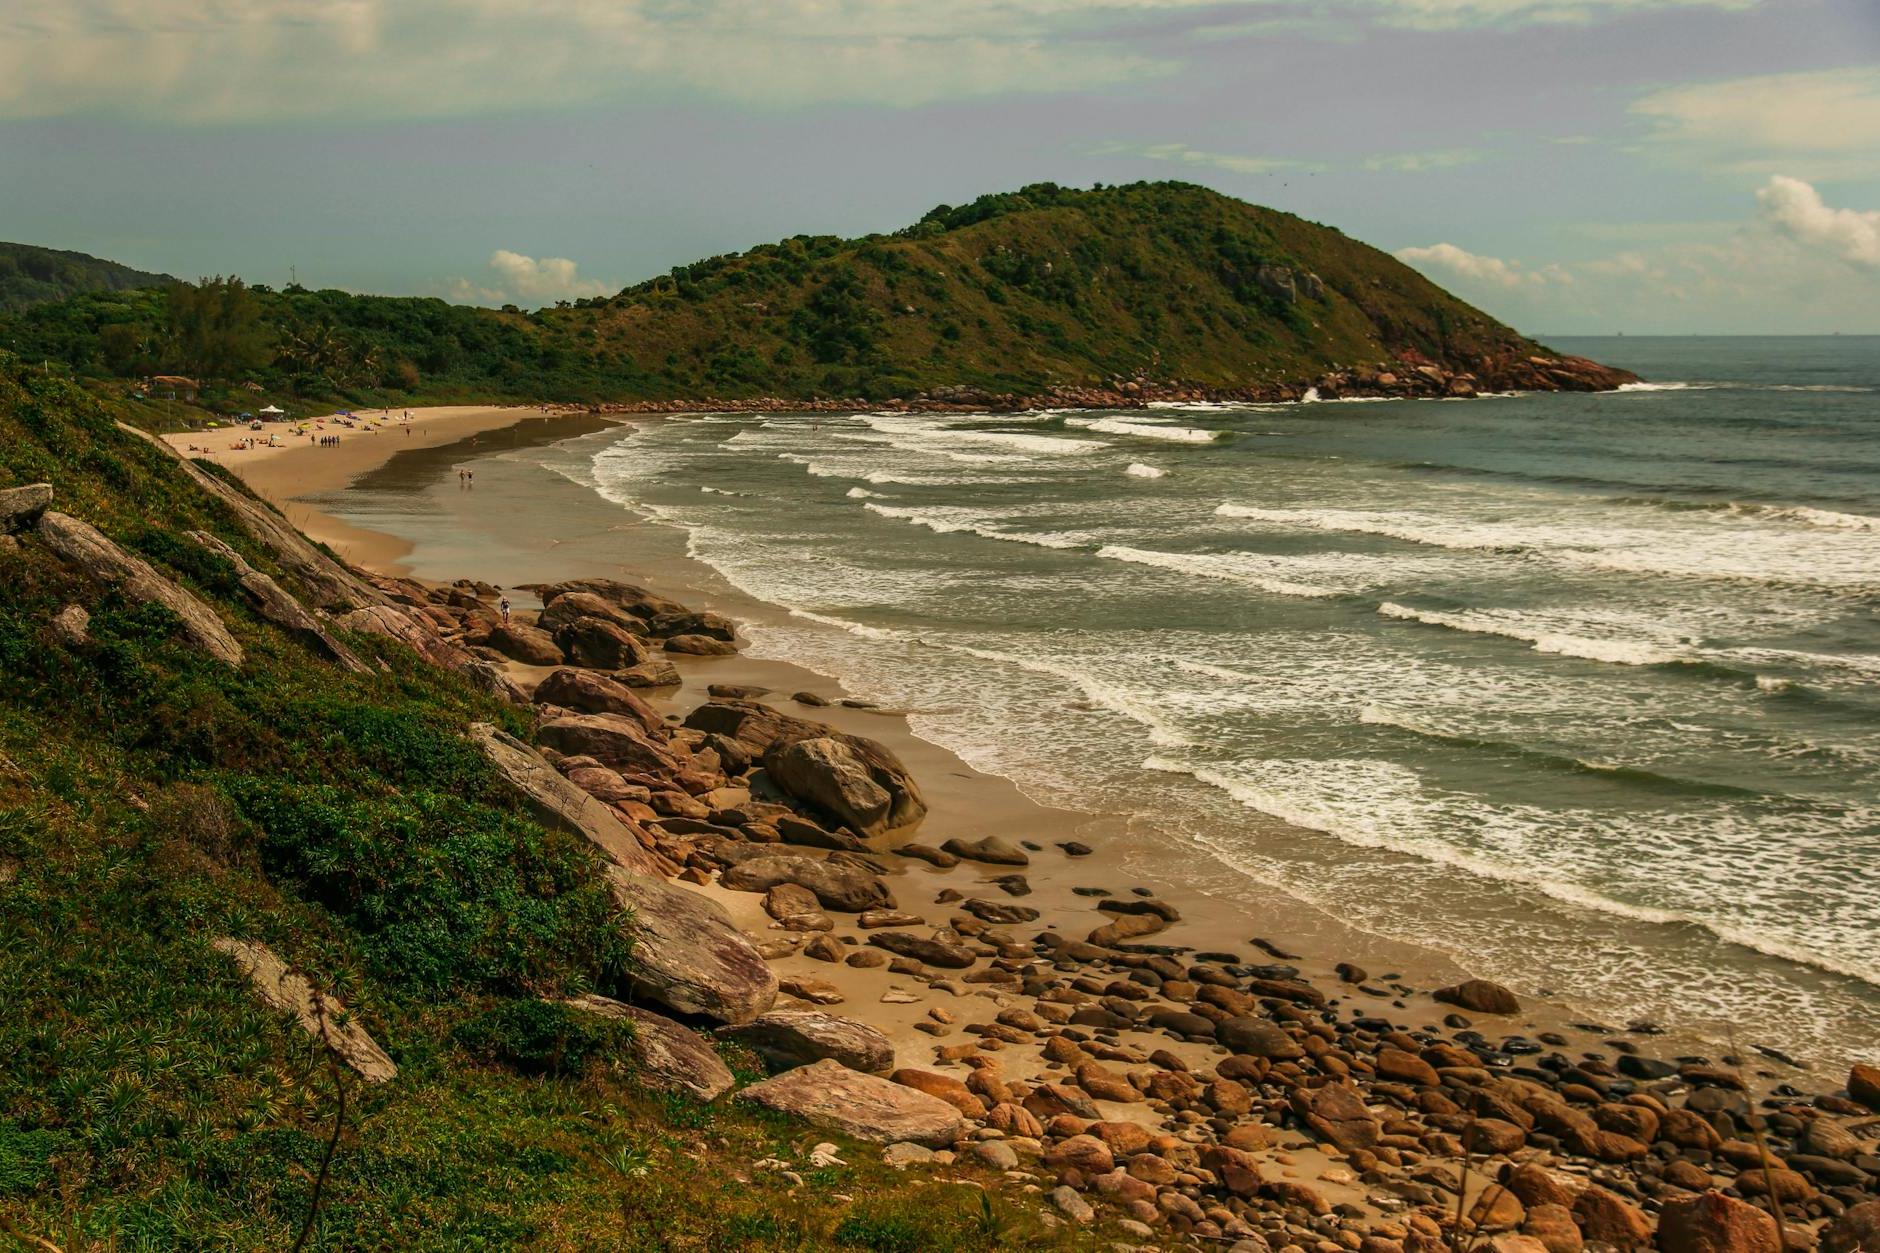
(31, 276)
(1016, 293)
(152, 800)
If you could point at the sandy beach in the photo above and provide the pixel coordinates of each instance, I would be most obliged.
(492, 538)
(1315, 971)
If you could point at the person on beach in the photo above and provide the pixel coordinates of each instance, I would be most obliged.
(503, 604)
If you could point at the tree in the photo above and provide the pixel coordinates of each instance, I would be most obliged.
(215, 329)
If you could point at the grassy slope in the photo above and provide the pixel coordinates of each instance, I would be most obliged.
(151, 800)
(1017, 293)
(30, 275)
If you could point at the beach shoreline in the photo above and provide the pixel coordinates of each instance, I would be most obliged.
(1222, 909)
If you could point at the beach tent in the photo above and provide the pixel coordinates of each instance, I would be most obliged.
(273, 411)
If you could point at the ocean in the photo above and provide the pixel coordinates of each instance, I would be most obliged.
(1583, 690)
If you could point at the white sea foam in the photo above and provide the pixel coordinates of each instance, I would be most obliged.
(1146, 430)
(1137, 469)
(903, 427)
(861, 493)
(1624, 652)
(1233, 568)
(948, 520)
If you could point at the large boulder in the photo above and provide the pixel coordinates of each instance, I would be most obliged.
(20, 507)
(587, 692)
(687, 955)
(611, 739)
(319, 1015)
(1863, 1084)
(636, 601)
(712, 626)
(759, 728)
(668, 1057)
(1856, 1231)
(1256, 1037)
(828, 1094)
(521, 642)
(933, 952)
(576, 605)
(1480, 996)
(826, 773)
(273, 603)
(600, 644)
(1337, 1114)
(87, 550)
(846, 889)
(556, 802)
(1714, 1223)
(993, 850)
(787, 1038)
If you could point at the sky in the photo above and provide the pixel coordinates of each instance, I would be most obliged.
(1571, 166)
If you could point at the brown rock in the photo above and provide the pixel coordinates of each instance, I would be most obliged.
(1480, 996)
(1604, 1217)
(87, 550)
(600, 644)
(786, 1038)
(944, 1087)
(1337, 1113)
(827, 773)
(829, 1094)
(1129, 927)
(1856, 1231)
(1398, 1066)
(667, 1056)
(1714, 1223)
(844, 888)
(1081, 1152)
(556, 802)
(1863, 1084)
(321, 1016)
(587, 692)
(525, 644)
(933, 952)
(1553, 1225)
(687, 954)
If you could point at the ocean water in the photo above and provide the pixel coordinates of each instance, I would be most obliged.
(1584, 690)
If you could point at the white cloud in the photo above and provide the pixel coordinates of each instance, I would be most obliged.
(1796, 210)
(1238, 163)
(252, 60)
(1489, 271)
(528, 281)
(1822, 123)
(1798, 265)
(1423, 162)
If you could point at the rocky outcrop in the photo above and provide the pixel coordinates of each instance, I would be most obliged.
(828, 1094)
(272, 602)
(611, 739)
(521, 642)
(319, 1015)
(420, 635)
(329, 584)
(667, 1057)
(787, 1038)
(758, 729)
(826, 773)
(88, 551)
(600, 644)
(846, 889)
(1480, 996)
(555, 802)
(636, 601)
(687, 954)
(1714, 1223)
(587, 692)
(20, 507)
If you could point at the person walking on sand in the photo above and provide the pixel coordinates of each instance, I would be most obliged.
(503, 604)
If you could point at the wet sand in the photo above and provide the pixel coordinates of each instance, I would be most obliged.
(404, 511)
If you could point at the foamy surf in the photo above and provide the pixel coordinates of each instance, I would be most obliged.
(1137, 470)
(1145, 430)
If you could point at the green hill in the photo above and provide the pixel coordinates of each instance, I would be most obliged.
(1166, 285)
(31, 276)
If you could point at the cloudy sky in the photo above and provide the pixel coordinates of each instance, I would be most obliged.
(1570, 165)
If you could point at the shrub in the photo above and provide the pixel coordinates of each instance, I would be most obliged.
(543, 1037)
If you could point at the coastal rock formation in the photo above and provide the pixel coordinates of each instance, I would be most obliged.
(828, 1094)
(611, 739)
(687, 954)
(273, 603)
(20, 507)
(319, 1015)
(846, 889)
(556, 802)
(1480, 996)
(329, 584)
(600, 644)
(1714, 1223)
(757, 729)
(584, 691)
(84, 548)
(827, 773)
(524, 643)
(787, 1038)
(635, 601)
(667, 1057)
